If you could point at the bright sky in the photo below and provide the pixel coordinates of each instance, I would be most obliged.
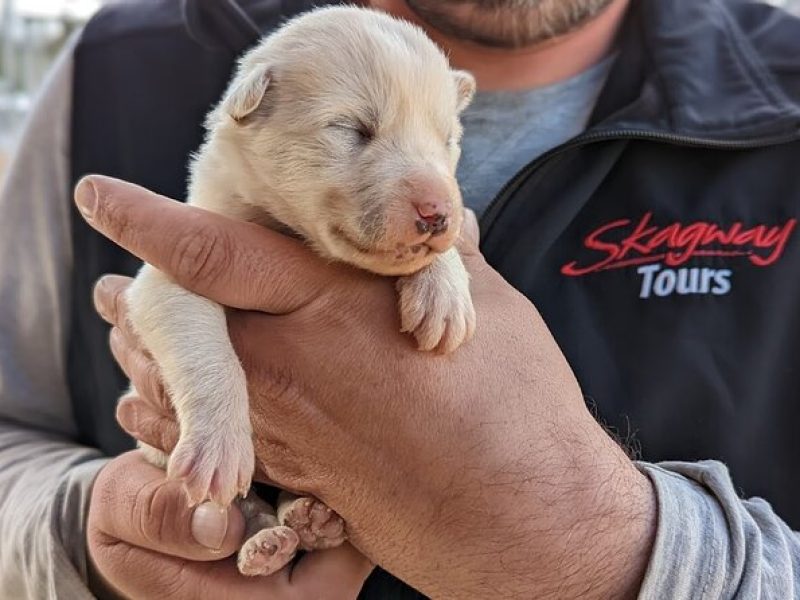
(73, 9)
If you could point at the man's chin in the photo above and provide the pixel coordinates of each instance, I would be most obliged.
(508, 25)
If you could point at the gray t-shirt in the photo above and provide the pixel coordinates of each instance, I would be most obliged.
(504, 131)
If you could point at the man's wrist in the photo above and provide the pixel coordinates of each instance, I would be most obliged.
(572, 524)
(619, 537)
(601, 520)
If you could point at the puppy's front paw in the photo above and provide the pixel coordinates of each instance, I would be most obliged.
(436, 305)
(216, 464)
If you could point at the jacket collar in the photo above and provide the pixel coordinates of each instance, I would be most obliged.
(703, 69)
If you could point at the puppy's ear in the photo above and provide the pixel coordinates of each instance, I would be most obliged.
(247, 93)
(465, 85)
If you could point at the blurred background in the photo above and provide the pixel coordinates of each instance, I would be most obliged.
(31, 34)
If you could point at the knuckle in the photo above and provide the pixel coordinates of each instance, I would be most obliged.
(156, 431)
(146, 431)
(156, 514)
(111, 214)
(150, 431)
(201, 256)
(167, 440)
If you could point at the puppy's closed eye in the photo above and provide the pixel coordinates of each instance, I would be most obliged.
(355, 129)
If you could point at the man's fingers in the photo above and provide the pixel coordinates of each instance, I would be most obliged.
(140, 573)
(109, 299)
(235, 263)
(142, 533)
(140, 369)
(336, 573)
(147, 424)
(133, 502)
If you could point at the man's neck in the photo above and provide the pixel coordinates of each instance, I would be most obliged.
(524, 68)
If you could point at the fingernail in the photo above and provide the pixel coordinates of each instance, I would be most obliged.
(127, 416)
(209, 525)
(104, 283)
(100, 295)
(86, 198)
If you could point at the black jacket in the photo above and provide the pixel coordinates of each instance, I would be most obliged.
(660, 246)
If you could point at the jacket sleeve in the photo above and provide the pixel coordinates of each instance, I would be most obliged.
(712, 544)
(45, 477)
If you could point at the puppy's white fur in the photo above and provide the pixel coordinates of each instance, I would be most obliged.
(328, 128)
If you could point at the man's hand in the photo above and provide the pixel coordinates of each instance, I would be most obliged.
(145, 542)
(473, 475)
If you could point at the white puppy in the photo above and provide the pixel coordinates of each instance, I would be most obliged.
(341, 127)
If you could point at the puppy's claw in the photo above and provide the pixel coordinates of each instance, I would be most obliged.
(216, 467)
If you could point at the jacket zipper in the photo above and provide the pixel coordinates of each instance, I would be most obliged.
(499, 202)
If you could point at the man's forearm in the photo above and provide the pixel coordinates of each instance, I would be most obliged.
(592, 528)
(581, 527)
(44, 490)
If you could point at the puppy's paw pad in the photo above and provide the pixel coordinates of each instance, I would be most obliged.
(317, 526)
(267, 551)
(218, 466)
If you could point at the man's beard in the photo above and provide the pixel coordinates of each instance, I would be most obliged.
(507, 23)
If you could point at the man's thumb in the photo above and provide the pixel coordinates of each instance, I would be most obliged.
(233, 262)
(133, 502)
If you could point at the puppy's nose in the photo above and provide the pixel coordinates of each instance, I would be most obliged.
(435, 224)
(432, 216)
